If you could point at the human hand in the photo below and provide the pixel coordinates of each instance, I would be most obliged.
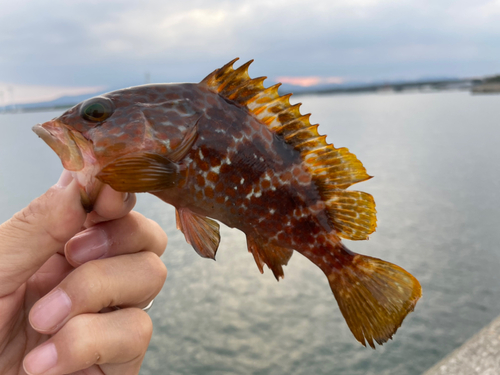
(59, 267)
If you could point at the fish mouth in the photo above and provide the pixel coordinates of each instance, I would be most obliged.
(77, 156)
(63, 141)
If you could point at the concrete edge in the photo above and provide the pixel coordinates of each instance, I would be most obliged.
(480, 355)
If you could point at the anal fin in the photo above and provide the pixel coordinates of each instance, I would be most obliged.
(274, 256)
(200, 232)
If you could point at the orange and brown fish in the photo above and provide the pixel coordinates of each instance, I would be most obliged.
(230, 149)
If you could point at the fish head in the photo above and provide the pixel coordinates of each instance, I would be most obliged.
(100, 130)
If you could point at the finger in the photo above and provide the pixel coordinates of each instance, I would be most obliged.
(48, 276)
(110, 205)
(119, 339)
(37, 232)
(129, 280)
(130, 234)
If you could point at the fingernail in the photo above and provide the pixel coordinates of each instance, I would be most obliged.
(126, 196)
(65, 179)
(88, 245)
(41, 359)
(51, 310)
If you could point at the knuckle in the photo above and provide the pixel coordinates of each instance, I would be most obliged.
(106, 338)
(40, 215)
(159, 275)
(90, 279)
(155, 265)
(86, 328)
(143, 329)
(31, 218)
(160, 237)
(137, 216)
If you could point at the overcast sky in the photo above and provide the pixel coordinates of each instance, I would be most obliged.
(49, 47)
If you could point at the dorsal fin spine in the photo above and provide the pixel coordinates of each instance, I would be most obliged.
(271, 91)
(294, 124)
(226, 68)
(318, 151)
(230, 82)
(244, 67)
(281, 102)
(302, 134)
(312, 142)
(287, 114)
(293, 110)
(238, 94)
(235, 79)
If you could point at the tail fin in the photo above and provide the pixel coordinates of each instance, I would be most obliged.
(374, 297)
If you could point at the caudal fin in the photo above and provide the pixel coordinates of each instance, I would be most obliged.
(374, 297)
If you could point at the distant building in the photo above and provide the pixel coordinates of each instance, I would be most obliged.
(489, 85)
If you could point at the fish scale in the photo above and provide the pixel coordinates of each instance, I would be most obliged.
(235, 151)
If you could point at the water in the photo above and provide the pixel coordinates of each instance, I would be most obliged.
(435, 160)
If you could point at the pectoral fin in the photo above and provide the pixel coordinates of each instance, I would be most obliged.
(145, 172)
(275, 257)
(185, 146)
(200, 232)
(140, 173)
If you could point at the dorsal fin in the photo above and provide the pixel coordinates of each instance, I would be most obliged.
(331, 168)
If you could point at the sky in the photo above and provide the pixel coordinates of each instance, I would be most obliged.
(56, 47)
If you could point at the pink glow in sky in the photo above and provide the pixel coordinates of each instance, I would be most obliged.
(309, 81)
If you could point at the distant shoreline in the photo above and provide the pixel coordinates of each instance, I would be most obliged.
(475, 86)
(35, 109)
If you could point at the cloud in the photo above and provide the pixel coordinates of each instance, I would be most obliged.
(111, 42)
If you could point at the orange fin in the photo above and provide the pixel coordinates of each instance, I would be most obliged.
(335, 168)
(331, 168)
(374, 297)
(148, 172)
(352, 213)
(200, 232)
(275, 257)
(140, 173)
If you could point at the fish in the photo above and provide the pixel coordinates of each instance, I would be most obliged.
(230, 150)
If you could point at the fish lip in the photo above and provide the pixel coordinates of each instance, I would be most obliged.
(63, 142)
(76, 154)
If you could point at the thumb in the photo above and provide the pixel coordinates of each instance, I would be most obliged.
(38, 231)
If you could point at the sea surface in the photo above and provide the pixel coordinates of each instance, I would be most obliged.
(436, 162)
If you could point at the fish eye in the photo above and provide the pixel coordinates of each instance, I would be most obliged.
(97, 109)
